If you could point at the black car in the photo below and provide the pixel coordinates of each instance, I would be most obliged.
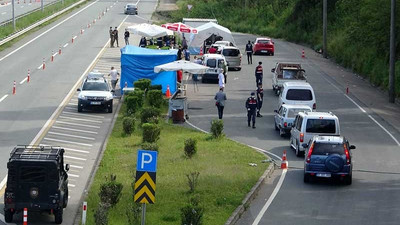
(37, 180)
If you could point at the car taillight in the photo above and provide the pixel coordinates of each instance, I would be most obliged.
(346, 151)
(301, 137)
(285, 124)
(314, 106)
(308, 159)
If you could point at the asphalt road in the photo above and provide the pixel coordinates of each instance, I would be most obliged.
(373, 198)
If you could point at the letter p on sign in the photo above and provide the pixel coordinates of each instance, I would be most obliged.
(147, 161)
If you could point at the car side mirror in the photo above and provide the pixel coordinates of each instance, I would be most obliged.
(78, 89)
(273, 70)
(275, 111)
(305, 145)
(67, 167)
(352, 147)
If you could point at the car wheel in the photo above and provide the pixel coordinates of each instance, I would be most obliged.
(80, 108)
(276, 127)
(272, 54)
(8, 216)
(65, 201)
(306, 178)
(281, 133)
(348, 180)
(239, 69)
(110, 109)
(58, 216)
(203, 80)
(298, 152)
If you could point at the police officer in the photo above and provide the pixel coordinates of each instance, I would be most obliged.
(249, 51)
(251, 106)
(259, 74)
(260, 98)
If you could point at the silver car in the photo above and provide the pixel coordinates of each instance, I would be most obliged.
(131, 9)
(285, 115)
(233, 56)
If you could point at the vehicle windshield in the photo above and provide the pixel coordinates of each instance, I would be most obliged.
(263, 41)
(131, 6)
(95, 86)
(230, 52)
(324, 126)
(32, 174)
(212, 63)
(289, 74)
(299, 95)
(220, 63)
(293, 112)
(327, 149)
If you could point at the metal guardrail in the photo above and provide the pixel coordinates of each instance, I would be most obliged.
(6, 22)
(24, 30)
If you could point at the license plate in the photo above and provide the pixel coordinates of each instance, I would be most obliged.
(264, 51)
(323, 175)
(95, 103)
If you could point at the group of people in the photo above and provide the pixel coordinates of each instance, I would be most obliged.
(113, 37)
(253, 103)
(166, 41)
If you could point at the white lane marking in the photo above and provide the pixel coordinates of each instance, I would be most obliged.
(74, 37)
(55, 54)
(78, 124)
(70, 129)
(397, 142)
(271, 198)
(73, 175)
(22, 6)
(198, 128)
(3, 182)
(4, 97)
(23, 81)
(71, 103)
(82, 114)
(70, 135)
(76, 150)
(362, 110)
(71, 185)
(69, 142)
(3, 13)
(40, 35)
(65, 45)
(75, 166)
(40, 67)
(77, 158)
(80, 119)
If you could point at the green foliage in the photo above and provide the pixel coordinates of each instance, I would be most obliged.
(154, 98)
(101, 214)
(149, 114)
(142, 84)
(132, 104)
(151, 132)
(110, 191)
(217, 127)
(128, 125)
(190, 147)
(150, 146)
(192, 213)
(156, 87)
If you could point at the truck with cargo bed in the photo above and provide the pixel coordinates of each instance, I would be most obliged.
(285, 72)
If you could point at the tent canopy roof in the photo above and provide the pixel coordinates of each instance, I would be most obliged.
(134, 50)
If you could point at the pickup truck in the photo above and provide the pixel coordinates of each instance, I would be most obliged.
(284, 72)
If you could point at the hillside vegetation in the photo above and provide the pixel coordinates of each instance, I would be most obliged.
(358, 30)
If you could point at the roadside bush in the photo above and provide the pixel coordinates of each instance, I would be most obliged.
(217, 127)
(133, 209)
(192, 180)
(155, 87)
(128, 124)
(142, 84)
(151, 132)
(110, 192)
(154, 98)
(149, 146)
(190, 147)
(192, 213)
(101, 214)
(149, 114)
(131, 104)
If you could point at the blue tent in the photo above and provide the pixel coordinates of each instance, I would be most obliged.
(137, 63)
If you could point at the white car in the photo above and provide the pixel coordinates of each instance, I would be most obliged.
(285, 115)
(216, 62)
(297, 93)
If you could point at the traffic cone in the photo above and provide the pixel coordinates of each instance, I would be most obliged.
(303, 55)
(52, 56)
(29, 76)
(201, 50)
(59, 50)
(72, 39)
(25, 216)
(284, 163)
(347, 89)
(14, 88)
(81, 30)
(168, 92)
(43, 65)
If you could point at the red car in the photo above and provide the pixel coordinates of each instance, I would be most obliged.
(263, 46)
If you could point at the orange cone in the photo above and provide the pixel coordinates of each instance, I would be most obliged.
(201, 50)
(29, 76)
(14, 88)
(303, 55)
(25, 216)
(59, 50)
(52, 56)
(168, 93)
(43, 65)
(284, 163)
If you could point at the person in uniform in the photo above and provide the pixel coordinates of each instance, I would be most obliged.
(260, 98)
(259, 73)
(249, 51)
(251, 106)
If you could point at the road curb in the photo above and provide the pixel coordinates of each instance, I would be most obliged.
(250, 196)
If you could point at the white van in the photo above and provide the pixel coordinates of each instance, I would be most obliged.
(308, 124)
(216, 62)
(297, 93)
(232, 55)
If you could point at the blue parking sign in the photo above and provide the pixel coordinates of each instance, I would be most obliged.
(146, 161)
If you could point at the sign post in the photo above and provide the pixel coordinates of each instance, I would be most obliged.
(145, 184)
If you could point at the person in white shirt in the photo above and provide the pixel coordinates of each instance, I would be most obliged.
(221, 79)
(114, 77)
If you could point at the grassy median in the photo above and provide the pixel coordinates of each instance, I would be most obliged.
(225, 175)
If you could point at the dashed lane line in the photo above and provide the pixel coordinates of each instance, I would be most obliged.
(75, 166)
(23, 81)
(66, 44)
(71, 185)
(82, 114)
(71, 129)
(80, 119)
(69, 142)
(76, 158)
(78, 124)
(70, 135)
(71, 103)
(4, 97)
(76, 150)
(73, 175)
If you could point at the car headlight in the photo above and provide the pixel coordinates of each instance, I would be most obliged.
(109, 97)
(82, 97)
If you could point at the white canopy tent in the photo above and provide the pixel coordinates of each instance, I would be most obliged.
(149, 30)
(185, 66)
(204, 31)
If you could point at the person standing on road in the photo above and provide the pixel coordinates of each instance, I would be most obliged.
(260, 98)
(251, 106)
(221, 79)
(114, 77)
(116, 36)
(249, 51)
(184, 43)
(220, 98)
(259, 74)
(179, 54)
(126, 36)
(111, 38)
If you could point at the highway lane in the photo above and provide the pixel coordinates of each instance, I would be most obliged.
(373, 198)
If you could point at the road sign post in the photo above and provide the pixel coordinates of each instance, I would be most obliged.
(145, 184)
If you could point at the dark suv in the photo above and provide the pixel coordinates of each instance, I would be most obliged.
(328, 156)
(37, 180)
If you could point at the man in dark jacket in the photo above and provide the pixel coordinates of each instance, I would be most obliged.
(220, 98)
(249, 51)
(259, 74)
(260, 97)
(251, 106)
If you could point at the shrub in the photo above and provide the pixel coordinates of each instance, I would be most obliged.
(133, 209)
(154, 98)
(150, 146)
(217, 127)
(155, 87)
(128, 124)
(149, 114)
(131, 104)
(142, 84)
(110, 192)
(192, 213)
(190, 147)
(151, 132)
(101, 214)
(192, 180)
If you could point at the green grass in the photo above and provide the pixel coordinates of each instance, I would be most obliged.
(225, 176)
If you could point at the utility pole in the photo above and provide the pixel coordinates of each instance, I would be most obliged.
(13, 13)
(41, 6)
(324, 27)
(392, 90)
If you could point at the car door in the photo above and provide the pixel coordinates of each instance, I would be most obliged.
(293, 131)
(277, 116)
(282, 116)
